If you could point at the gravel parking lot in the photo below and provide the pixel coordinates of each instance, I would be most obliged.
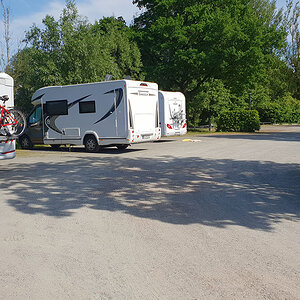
(197, 217)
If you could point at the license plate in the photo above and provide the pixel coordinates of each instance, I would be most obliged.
(145, 137)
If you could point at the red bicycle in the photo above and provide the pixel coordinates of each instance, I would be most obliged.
(12, 121)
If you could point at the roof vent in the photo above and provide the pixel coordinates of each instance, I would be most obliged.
(108, 77)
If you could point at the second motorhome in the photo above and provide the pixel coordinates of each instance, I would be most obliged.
(172, 113)
(112, 113)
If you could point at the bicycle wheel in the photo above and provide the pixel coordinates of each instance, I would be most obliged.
(17, 129)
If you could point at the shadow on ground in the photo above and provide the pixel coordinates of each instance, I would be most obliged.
(263, 136)
(178, 191)
(107, 150)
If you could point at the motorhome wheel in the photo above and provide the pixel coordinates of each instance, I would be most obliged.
(25, 142)
(91, 144)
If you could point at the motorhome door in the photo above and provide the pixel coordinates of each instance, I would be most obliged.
(34, 125)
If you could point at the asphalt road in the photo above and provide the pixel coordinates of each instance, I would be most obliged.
(213, 217)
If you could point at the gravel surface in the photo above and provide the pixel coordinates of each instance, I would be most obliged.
(211, 217)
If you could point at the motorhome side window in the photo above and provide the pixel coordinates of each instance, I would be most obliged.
(55, 108)
(87, 107)
(36, 115)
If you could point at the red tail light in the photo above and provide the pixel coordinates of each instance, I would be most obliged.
(184, 125)
(169, 126)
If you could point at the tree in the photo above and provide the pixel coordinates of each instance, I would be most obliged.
(209, 102)
(5, 56)
(187, 43)
(71, 50)
(292, 55)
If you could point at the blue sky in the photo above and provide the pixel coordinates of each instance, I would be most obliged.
(28, 7)
(93, 9)
(26, 12)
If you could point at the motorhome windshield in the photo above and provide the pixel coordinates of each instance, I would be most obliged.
(36, 115)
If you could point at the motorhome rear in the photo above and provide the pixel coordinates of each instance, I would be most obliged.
(112, 113)
(172, 113)
(7, 146)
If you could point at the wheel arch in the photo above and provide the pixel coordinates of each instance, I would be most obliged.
(90, 133)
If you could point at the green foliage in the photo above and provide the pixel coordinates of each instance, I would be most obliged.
(286, 110)
(71, 51)
(238, 120)
(270, 112)
(292, 51)
(209, 102)
(186, 43)
(278, 80)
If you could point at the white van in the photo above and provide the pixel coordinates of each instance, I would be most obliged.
(172, 113)
(111, 113)
(7, 146)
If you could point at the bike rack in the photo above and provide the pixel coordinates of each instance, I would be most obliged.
(4, 139)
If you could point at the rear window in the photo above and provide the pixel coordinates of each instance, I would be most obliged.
(54, 108)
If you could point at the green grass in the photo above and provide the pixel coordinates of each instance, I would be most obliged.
(192, 131)
(204, 131)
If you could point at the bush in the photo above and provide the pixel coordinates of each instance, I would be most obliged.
(238, 120)
(285, 110)
(270, 112)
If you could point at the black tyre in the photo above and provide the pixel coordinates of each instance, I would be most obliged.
(91, 144)
(122, 147)
(25, 142)
(17, 129)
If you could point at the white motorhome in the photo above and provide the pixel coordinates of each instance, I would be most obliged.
(172, 113)
(7, 146)
(111, 113)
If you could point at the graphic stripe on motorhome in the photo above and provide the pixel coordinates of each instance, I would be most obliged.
(119, 93)
(77, 101)
(50, 123)
(50, 120)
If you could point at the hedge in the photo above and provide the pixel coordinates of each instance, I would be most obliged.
(238, 120)
(278, 113)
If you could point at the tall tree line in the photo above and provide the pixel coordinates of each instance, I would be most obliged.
(220, 53)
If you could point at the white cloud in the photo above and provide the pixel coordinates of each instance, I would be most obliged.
(96, 9)
(21, 24)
